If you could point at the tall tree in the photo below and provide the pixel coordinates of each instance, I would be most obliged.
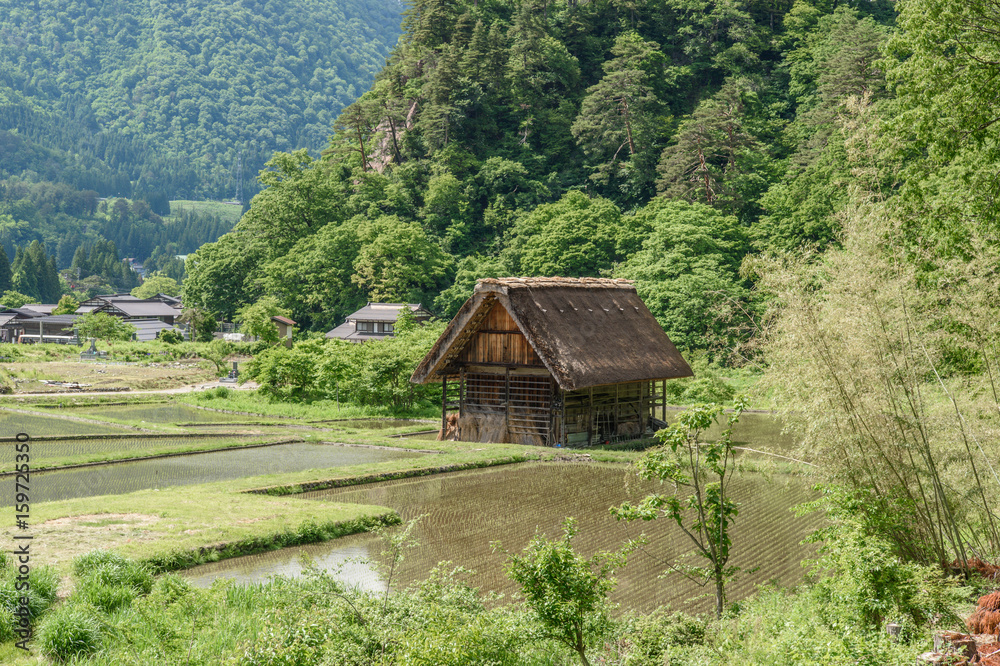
(621, 117)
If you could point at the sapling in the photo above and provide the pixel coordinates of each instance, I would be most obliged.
(567, 592)
(703, 469)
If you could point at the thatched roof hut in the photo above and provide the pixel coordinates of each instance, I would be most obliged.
(561, 360)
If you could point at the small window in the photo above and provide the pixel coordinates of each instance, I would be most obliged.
(387, 327)
(366, 326)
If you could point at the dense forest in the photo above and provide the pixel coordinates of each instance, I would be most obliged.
(178, 98)
(659, 140)
(153, 101)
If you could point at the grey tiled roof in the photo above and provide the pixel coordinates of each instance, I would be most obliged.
(386, 312)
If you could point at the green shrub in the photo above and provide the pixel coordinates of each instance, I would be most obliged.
(654, 637)
(43, 583)
(170, 588)
(219, 392)
(867, 584)
(69, 631)
(106, 598)
(109, 581)
(171, 337)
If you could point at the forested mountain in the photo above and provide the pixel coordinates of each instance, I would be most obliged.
(144, 96)
(659, 140)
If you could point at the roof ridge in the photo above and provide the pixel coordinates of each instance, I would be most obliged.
(581, 282)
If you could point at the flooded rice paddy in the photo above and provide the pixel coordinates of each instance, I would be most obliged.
(467, 511)
(98, 448)
(126, 477)
(11, 423)
(167, 413)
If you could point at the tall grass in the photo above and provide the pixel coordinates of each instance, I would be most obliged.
(891, 375)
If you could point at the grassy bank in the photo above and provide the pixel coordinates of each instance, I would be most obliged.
(252, 402)
(177, 527)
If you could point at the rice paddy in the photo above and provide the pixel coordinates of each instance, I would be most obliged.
(166, 413)
(13, 422)
(105, 448)
(129, 476)
(468, 511)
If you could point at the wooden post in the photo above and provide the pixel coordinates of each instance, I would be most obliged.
(663, 400)
(617, 415)
(590, 416)
(565, 427)
(642, 408)
(506, 401)
(444, 407)
(461, 402)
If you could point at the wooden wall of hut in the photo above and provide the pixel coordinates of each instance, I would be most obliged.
(499, 342)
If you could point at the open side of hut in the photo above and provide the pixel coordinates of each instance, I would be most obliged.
(552, 361)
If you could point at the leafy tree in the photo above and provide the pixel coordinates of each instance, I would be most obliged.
(688, 462)
(717, 157)
(255, 320)
(157, 284)
(6, 279)
(687, 273)
(621, 117)
(397, 262)
(567, 592)
(313, 280)
(105, 327)
(67, 305)
(216, 351)
(573, 237)
(202, 323)
(13, 299)
(279, 368)
(219, 275)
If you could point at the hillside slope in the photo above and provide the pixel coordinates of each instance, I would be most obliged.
(148, 96)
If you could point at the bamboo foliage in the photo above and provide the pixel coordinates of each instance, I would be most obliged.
(905, 436)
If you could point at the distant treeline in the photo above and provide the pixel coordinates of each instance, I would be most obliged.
(134, 98)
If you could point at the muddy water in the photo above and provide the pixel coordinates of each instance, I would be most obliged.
(126, 477)
(467, 511)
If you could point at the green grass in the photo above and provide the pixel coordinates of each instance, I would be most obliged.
(183, 526)
(223, 211)
(253, 402)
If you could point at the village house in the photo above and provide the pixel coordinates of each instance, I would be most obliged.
(28, 325)
(375, 321)
(285, 326)
(552, 362)
(126, 306)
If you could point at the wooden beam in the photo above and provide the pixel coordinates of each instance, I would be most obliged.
(590, 417)
(444, 406)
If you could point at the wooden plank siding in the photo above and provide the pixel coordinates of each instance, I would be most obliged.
(499, 342)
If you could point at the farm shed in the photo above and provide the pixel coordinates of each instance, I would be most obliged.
(553, 362)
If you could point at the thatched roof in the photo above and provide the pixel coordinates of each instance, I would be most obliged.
(587, 331)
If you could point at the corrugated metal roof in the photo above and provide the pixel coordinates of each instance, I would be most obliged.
(148, 329)
(347, 331)
(59, 319)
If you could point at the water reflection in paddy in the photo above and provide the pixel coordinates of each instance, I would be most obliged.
(467, 511)
(126, 477)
